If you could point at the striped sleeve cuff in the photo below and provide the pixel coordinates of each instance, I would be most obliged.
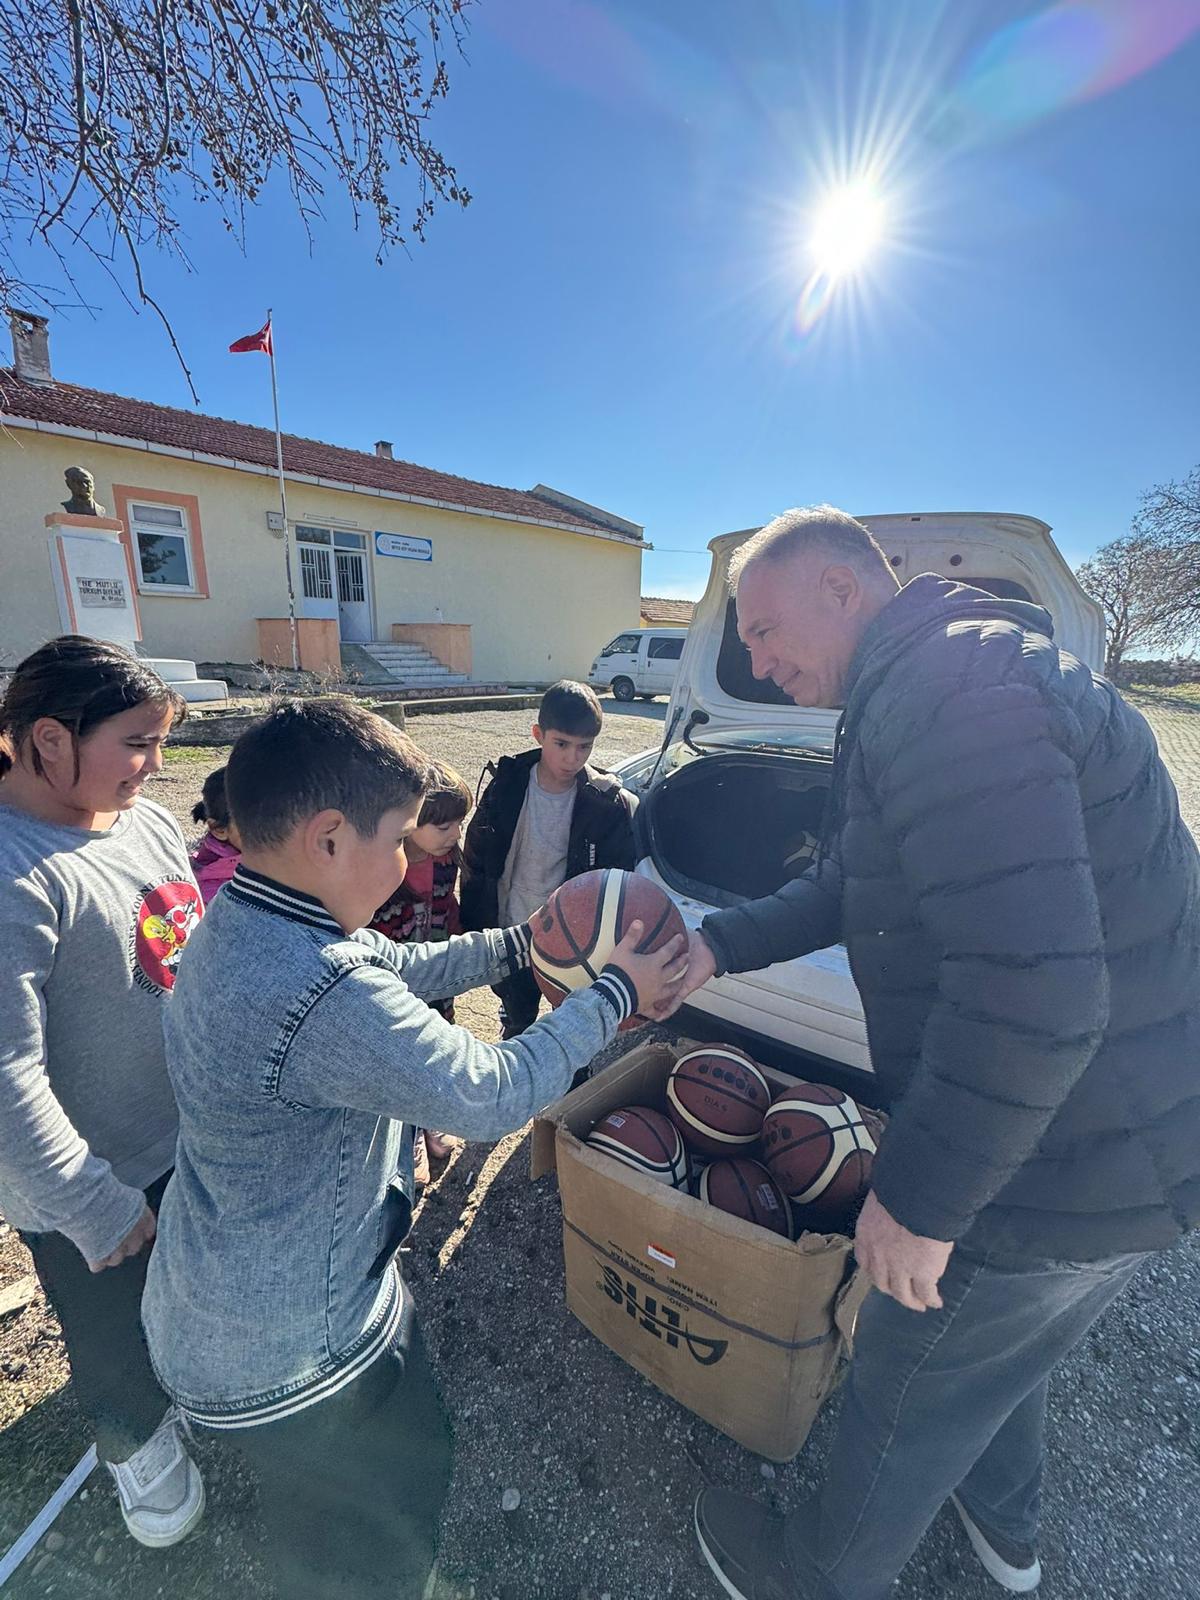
(617, 988)
(514, 945)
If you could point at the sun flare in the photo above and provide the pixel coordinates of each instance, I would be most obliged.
(848, 227)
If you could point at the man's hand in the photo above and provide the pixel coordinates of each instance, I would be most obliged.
(902, 1264)
(701, 966)
(139, 1236)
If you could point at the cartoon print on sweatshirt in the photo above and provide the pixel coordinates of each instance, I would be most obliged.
(166, 914)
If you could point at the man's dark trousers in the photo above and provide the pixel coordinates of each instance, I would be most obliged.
(945, 1401)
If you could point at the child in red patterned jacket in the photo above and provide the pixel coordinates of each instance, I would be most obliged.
(424, 908)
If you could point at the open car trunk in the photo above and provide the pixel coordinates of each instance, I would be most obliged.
(732, 826)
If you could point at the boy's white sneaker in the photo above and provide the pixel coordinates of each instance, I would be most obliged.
(160, 1488)
(1015, 1567)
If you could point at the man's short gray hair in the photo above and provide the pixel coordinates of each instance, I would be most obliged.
(823, 528)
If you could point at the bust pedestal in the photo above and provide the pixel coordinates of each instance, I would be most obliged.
(93, 577)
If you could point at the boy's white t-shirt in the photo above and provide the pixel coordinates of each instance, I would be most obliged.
(537, 858)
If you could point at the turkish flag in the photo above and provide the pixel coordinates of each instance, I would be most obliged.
(253, 341)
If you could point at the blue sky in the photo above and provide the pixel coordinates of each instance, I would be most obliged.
(616, 313)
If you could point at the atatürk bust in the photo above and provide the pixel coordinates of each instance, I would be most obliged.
(83, 494)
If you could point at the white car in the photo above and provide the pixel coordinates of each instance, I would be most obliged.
(731, 803)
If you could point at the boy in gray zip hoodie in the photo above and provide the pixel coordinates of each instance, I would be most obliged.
(303, 1053)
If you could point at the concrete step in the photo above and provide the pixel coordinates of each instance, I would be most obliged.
(171, 670)
(181, 675)
(202, 691)
(412, 657)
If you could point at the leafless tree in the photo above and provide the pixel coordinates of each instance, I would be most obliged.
(1126, 577)
(116, 114)
(1148, 581)
(1169, 516)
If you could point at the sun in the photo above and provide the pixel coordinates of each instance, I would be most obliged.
(848, 226)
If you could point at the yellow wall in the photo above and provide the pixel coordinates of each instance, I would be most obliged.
(541, 602)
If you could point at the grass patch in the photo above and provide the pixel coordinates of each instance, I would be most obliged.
(193, 755)
(1178, 694)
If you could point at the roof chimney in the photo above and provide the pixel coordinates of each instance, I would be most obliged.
(383, 449)
(31, 347)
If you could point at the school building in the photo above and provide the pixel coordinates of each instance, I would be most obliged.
(489, 584)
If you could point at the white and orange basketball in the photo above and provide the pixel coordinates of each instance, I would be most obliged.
(642, 1138)
(586, 918)
(819, 1149)
(716, 1097)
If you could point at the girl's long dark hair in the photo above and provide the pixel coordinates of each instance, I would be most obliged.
(79, 682)
(213, 806)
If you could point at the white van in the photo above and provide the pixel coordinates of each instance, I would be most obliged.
(643, 661)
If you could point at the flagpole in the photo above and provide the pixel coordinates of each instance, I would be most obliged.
(287, 538)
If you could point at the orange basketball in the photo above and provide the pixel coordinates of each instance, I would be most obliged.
(586, 918)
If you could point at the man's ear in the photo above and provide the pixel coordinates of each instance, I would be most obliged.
(844, 587)
(538, 736)
(324, 835)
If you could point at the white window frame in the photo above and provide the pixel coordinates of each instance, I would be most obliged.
(148, 585)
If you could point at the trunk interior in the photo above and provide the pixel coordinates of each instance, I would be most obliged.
(733, 827)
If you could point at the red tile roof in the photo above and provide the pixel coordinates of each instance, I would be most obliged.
(68, 405)
(655, 609)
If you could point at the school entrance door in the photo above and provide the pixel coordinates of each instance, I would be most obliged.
(335, 579)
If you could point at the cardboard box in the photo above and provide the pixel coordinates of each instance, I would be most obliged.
(740, 1326)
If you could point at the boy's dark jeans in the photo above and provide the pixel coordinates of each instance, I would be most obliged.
(101, 1318)
(352, 1487)
(945, 1401)
(520, 999)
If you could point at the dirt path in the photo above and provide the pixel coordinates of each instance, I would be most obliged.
(606, 1467)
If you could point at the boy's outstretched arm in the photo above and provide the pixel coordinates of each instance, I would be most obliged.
(370, 1044)
(440, 970)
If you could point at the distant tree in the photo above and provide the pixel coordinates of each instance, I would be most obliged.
(115, 115)
(1148, 581)
(1169, 516)
(1126, 577)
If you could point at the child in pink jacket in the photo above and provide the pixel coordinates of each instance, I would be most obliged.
(218, 853)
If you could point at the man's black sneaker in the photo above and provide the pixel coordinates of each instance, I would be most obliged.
(1014, 1566)
(743, 1544)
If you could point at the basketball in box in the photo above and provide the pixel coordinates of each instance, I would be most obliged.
(743, 1327)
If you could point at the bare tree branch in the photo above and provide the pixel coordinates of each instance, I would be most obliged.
(113, 111)
(1148, 581)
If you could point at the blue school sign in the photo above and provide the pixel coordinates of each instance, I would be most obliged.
(399, 544)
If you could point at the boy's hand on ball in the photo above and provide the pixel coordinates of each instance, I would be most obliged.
(905, 1265)
(657, 975)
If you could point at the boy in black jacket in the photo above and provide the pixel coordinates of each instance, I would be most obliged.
(546, 816)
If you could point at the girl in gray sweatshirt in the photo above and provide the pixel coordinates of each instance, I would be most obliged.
(96, 904)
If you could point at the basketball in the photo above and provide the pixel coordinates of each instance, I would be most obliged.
(644, 1140)
(819, 1149)
(716, 1097)
(584, 920)
(746, 1189)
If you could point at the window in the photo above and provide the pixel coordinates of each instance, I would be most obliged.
(163, 547)
(625, 644)
(350, 541)
(666, 649)
(312, 535)
(316, 574)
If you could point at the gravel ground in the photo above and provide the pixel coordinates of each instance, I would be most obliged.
(605, 1466)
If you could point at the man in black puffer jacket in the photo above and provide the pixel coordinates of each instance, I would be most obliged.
(1005, 861)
